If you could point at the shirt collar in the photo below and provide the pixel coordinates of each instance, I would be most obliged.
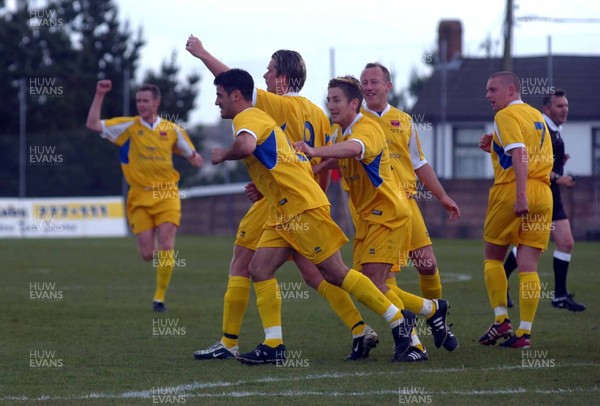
(378, 114)
(348, 130)
(551, 123)
(151, 126)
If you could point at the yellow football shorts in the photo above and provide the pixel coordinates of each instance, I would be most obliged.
(503, 227)
(313, 234)
(147, 208)
(420, 235)
(380, 244)
(251, 226)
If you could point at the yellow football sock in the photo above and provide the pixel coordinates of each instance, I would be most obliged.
(393, 297)
(415, 342)
(343, 306)
(361, 287)
(529, 297)
(164, 269)
(411, 302)
(496, 285)
(393, 285)
(431, 285)
(235, 304)
(268, 301)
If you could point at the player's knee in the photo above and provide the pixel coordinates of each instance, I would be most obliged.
(567, 245)
(333, 277)
(146, 255)
(427, 266)
(312, 280)
(239, 268)
(166, 245)
(253, 268)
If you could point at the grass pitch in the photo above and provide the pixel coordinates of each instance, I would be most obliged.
(77, 327)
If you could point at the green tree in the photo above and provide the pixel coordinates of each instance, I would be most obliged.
(61, 51)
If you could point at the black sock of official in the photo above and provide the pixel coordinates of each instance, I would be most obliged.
(561, 268)
(510, 264)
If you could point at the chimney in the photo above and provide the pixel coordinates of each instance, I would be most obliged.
(451, 32)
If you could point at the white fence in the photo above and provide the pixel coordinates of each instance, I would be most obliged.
(62, 217)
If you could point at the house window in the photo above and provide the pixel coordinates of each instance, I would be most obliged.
(469, 162)
(596, 151)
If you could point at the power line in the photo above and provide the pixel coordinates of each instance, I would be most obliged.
(534, 17)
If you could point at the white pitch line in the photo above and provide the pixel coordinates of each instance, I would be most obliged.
(180, 390)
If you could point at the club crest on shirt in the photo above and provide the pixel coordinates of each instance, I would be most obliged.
(395, 123)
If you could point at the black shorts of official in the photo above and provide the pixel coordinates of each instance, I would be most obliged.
(558, 211)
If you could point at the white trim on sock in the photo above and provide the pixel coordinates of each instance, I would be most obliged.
(390, 313)
(525, 325)
(500, 311)
(396, 323)
(427, 308)
(414, 339)
(563, 256)
(273, 333)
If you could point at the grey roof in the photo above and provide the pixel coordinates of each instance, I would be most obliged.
(579, 76)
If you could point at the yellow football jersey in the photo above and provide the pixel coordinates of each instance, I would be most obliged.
(520, 125)
(146, 151)
(283, 175)
(373, 188)
(301, 119)
(403, 142)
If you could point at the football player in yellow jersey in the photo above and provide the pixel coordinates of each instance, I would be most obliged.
(302, 120)
(146, 145)
(382, 219)
(300, 220)
(409, 163)
(520, 205)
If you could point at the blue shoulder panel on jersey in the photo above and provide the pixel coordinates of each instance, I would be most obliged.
(266, 152)
(372, 170)
(504, 160)
(124, 152)
(309, 134)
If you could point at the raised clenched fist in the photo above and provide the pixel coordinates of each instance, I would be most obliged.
(103, 86)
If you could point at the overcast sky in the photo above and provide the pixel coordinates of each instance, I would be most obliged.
(397, 33)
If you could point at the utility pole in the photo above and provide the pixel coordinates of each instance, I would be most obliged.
(22, 138)
(508, 26)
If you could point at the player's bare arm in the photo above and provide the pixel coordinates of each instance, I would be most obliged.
(194, 46)
(93, 119)
(243, 146)
(196, 160)
(431, 182)
(346, 149)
